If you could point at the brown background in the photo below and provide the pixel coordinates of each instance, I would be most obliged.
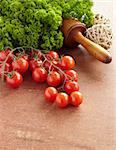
(27, 122)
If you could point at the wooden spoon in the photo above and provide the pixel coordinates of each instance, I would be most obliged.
(73, 32)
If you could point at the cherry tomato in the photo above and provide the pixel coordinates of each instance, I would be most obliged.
(10, 58)
(53, 55)
(67, 63)
(48, 56)
(7, 68)
(48, 66)
(62, 99)
(14, 80)
(76, 98)
(20, 65)
(39, 75)
(2, 55)
(54, 79)
(24, 55)
(57, 64)
(72, 75)
(50, 94)
(71, 86)
(34, 64)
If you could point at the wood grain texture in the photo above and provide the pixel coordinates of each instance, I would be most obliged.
(27, 122)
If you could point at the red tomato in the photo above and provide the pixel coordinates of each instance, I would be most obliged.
(39, 75)
(62, 77)
(24, 55)
(2, 55)
(54, 79)
(53, 55)
(71, 86)
(20, 65)
(48, 56)
(67, 63)
(34, 64)
(48, 64)
(10, 58)
(72, 75)
(7, 68)
(57, 64)
(62, 99)
(50, 94)
(76, 98)
(7, 51)
(14, 80)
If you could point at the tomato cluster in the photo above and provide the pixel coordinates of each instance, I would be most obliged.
(57, 72)
(63, 83)
(12, 67)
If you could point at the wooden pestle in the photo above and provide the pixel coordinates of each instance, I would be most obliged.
(73, 32)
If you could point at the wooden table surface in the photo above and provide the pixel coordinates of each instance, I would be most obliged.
(27, 122)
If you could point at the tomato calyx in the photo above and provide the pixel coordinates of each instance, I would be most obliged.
(11, 74)
(22, 55)
(35, 54)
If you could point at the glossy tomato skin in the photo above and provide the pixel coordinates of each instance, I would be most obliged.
(71, 86)
(39, 75)
(53, 55)
(76, 98)
(54, 79)
(15, 81)
(20, 65)
(34, 64)
(67, 63)
(2, 55)
(62, 99)
(72, 75)
(57, 64)
(50, 94)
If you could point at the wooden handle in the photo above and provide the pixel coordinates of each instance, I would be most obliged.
(94, 49)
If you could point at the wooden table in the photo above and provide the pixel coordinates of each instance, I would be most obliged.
(27, 122)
